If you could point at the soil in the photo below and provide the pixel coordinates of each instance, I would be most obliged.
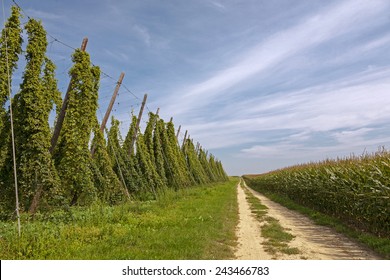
(248, 232)
(314, 242)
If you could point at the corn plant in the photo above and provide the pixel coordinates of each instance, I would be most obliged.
(355, 190)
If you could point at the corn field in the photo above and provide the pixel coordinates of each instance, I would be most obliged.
(355, 190)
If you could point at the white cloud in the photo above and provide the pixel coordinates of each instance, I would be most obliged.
(352, 102)
(120, 56)
(351, 105)
(143, 33)
(360, 50)
(218, 5)
(351, 136)
(284, 150)
(374, 44)
(302, 153)
(44, 15)
(335, 21)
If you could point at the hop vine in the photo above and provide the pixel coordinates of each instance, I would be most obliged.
(140, 167)
(38, 93)
(72, 155)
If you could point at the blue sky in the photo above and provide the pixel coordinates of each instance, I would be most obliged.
(260, 84)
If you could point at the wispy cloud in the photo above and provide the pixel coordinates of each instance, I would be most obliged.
(351, 136)
(44, 15)
(334, 22)
(361, 50)
(120, 56)
(302, 153)
(348, 105)
(143, 33)
(218, 5)
(262, 84)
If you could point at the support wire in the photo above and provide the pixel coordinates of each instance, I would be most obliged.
(12, 129)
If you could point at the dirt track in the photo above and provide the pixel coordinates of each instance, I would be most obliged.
(313, 241)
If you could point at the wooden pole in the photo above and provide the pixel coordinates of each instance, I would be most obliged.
(157, 116)
(184, 139)
(178, 132)
(56, 134)
(121, 174)
(61, 116)
(114, 95)
(137, 125)
(109, 108)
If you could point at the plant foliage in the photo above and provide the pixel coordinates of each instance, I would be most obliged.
(354, 190)
(141, 167)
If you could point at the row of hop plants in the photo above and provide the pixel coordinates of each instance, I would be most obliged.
(355, 190)
(70, 174)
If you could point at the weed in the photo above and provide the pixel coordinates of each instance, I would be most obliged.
(277, 238)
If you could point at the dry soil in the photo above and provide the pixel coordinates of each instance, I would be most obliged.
(313, 241)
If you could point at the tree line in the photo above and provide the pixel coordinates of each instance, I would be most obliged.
(137, 167)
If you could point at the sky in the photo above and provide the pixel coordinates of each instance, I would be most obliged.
(260, 84)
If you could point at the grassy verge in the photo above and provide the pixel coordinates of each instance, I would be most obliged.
(377, 244)
(196, 223)
(277, 238)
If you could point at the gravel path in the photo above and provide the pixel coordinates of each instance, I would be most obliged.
(248, 232)
(313, 241)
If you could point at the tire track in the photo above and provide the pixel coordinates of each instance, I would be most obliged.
(315, 242)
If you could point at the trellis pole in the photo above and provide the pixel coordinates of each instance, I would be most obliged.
(131, 151)
(178, 133)
(61, 116)
(109, 108)
(12, 130)
(184, 139)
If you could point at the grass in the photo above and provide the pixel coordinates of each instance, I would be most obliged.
(196, 223)
(277, 238)
(377, 244)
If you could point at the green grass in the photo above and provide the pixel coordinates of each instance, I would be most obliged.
(196, 223)
(377, 244)
(277, 238)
